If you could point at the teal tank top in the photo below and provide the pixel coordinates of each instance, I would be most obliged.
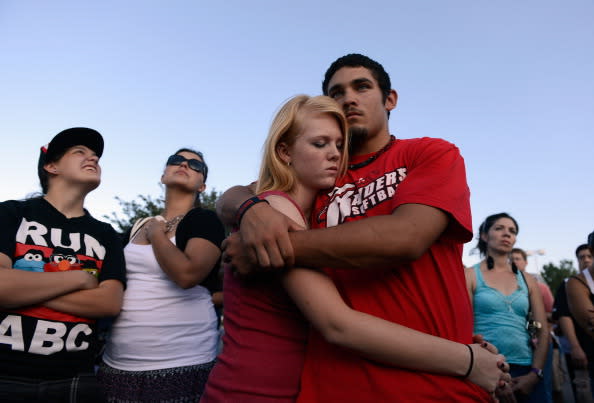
(501, 319)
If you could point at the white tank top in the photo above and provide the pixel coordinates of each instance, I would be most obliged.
(161, 325)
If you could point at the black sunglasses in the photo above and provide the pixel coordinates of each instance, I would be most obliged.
(193, 163)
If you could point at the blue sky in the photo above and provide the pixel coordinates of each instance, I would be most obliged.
(511, 83)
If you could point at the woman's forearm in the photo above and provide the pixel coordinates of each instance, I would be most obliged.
(22, 288)
(229, 202)
(381, 340)
(189, 267)
(539, 356)
(104, 301)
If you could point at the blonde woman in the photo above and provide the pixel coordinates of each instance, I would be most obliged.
(265, 332)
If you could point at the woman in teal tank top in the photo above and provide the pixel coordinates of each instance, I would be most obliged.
(501, 297)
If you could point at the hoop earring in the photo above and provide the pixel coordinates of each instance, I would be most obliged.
(288, 163)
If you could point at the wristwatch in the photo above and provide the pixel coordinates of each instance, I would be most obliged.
(538, 372)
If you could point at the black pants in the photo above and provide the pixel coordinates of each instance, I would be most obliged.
(82, 389)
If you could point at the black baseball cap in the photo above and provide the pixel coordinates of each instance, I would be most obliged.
(75, 136)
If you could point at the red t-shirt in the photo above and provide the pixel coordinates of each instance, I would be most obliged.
(263, 345)
(547, 297)
(428, 294)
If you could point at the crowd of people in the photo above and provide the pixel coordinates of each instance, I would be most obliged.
(342, 276)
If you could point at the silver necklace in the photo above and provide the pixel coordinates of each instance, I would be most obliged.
(169, 225)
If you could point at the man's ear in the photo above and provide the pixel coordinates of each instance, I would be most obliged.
(391, 100)
(282, 149)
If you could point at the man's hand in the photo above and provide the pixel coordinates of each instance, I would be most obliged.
(235, 253)
(262, 242)
(265, 234)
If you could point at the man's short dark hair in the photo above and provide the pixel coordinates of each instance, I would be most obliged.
(582, 247)
(358, 60)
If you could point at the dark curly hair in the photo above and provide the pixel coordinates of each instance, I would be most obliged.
(358, 60)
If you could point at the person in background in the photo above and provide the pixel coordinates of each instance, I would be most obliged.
(520, 259)
(583, 253)
(575, 357)
(580, 300)
(163, 344)
(60, 271)
(502, 298)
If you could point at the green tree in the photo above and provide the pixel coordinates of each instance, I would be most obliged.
(209, 199)
(554, 275)
(147, 206)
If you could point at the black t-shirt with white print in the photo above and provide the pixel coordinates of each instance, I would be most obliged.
(39, 342)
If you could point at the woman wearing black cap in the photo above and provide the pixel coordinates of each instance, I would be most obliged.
(60, 270)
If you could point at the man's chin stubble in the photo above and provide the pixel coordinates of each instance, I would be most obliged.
(358, 136)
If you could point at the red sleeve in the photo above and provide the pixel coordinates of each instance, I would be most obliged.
(437, 177)
(547, 297)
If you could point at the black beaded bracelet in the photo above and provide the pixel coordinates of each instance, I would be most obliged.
(246, 205)
(471, 362)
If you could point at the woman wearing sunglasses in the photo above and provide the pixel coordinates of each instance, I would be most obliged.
(163, 344)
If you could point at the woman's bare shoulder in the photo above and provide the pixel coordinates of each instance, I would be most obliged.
(285, 206)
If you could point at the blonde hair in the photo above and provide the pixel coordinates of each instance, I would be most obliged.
(286, 127)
